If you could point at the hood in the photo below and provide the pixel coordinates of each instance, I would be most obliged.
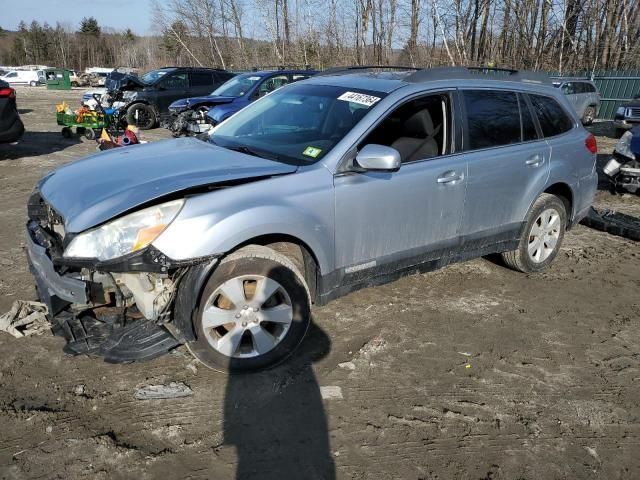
(123, 81)
(97, 188)
(192, 102)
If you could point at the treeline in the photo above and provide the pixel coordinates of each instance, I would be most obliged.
(557, 35)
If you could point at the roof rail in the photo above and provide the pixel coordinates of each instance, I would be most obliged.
(446, 73)
(363, 68)
(282, 67)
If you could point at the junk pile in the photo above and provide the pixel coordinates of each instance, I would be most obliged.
(108, 140)
(25, 318)
(623, 169)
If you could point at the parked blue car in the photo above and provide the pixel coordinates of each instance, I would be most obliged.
(191, 116)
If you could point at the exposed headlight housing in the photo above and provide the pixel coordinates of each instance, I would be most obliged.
(125, 235)
(620, 111)
(623, 147)
(129, 94)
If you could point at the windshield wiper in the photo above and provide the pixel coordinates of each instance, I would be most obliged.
(251, 151)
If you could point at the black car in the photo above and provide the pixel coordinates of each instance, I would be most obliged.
(11, 127)
(146, 99)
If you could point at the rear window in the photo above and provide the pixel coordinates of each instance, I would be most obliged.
(551, 116)
(493, 118)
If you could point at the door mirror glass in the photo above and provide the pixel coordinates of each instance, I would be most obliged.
(378, 157)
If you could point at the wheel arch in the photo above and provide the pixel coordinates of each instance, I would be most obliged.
(297, 250)
(565, 193)
(193, 282)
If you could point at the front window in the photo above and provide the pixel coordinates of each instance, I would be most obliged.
(153, 76)
(299, 124)
(237, 86)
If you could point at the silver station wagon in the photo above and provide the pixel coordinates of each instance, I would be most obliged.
(350, 179)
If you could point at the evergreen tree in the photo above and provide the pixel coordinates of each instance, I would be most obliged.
(89, 26)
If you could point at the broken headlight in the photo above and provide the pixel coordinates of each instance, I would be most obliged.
(125, 235)
(623, 147)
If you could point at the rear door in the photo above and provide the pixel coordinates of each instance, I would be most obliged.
(508, 163)
(202, 83)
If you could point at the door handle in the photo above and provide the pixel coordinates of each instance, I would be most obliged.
(450, 177)
(535, 160)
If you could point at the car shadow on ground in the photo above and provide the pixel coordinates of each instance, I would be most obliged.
(37, 143)
(276, 421)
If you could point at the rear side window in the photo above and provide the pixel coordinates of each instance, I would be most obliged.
(201, 79)
(493, 118)
(551, 116)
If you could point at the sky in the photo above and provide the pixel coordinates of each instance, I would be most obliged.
(118, 14)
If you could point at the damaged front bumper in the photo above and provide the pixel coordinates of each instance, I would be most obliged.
(121, 311)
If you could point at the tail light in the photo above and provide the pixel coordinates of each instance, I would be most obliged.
(591, 144)
(7, 92)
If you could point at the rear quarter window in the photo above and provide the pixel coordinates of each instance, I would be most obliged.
(493, 118)
(551, 116)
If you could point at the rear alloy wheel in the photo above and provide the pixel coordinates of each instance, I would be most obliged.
(588, 115)
(253, 313)
(142, 116)
(543, 234)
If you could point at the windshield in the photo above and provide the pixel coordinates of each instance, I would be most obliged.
(298, 124)
(153, 76)
(237, 86)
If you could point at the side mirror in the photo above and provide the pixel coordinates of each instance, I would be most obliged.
(378, 158)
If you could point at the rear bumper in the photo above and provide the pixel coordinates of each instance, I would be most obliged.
(55, 290)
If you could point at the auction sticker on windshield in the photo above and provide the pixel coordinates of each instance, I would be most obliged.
(359, 98)
(311, 152)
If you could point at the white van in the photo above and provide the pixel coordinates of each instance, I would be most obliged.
(22, 77)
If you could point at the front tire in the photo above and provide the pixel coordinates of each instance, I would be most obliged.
(253, 313)
(142, 116)
(543, 234)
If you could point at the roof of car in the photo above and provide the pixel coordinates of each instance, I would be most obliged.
(278, 70)
(379, 79)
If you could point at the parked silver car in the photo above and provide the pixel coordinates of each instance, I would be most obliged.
(325, 186)
(583, 97)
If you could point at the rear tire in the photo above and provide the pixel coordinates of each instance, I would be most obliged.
(253, 313)
(543, 234)
(142, 116)
(90, 134)
(33, 83)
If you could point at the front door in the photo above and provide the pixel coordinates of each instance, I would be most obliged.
(395, 221)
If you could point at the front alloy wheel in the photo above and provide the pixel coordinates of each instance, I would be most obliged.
(253, 312)
(247, 316)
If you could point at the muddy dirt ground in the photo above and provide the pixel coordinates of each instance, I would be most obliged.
(474, 371)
